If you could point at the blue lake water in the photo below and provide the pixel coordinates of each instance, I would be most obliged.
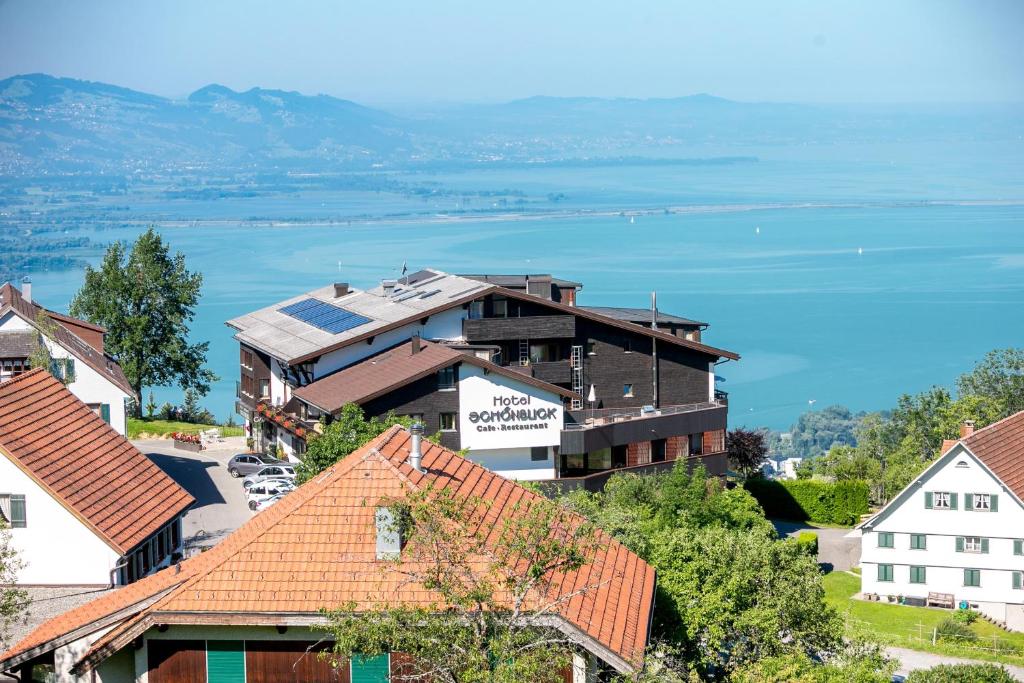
(831, 304)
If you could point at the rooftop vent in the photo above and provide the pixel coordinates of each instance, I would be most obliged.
(388, 286)
(26, 288)
(340, 289)
(416, 447)
(415, 344)
(966, 429)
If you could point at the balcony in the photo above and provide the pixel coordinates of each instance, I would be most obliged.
(528, 327)
(557, 372)
(586, 431)
(245, 399)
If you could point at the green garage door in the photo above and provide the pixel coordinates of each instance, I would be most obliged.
(225, 661)
(368, 670)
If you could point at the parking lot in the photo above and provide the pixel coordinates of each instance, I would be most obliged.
(220, 506)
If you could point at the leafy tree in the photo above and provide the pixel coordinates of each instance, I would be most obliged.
(41, 356)
(146, 300)
(816, 431)
(491, 587)
(999, 377)
(13, 600)
(347, 432)
(747, 450)
(857, 662)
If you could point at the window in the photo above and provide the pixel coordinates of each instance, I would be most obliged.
(940, 500)
(972, 578)
(918, 542)
(246, 385)
(696, 444)
(538, 453)
(984, 502)
(658, 450)
(885, 539)
(246, 360)
(12, 510)
(627, 345)
(971, 544)
(1018, 580)
(962, 464)
(447, 422)
(627, 391)
(476, 310)
(544, 353)
(63, 369)
(446, 378)
(264, 388)
(591, 347)
(885, 572)
(500, 308)
(1018, 546)
(917, 575)
(12, 367)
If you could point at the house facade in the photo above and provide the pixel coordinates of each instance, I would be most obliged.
(76, 347)
(83, 506)
(958, 529)
(653, 386)
(250, 608)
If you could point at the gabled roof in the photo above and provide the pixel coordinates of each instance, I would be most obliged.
(19, 344)
(394, 368)
(316, 549)
(1001, 447)
(12, 300)
(83, 463)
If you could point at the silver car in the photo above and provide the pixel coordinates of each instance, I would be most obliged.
(269, 472)
(246, 463)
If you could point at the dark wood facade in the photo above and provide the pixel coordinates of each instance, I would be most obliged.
(423, 398)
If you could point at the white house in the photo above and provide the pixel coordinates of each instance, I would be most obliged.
(83, 507)
(76, 347)
(958, 528)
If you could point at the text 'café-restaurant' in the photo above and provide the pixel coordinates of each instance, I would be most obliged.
(509, 368)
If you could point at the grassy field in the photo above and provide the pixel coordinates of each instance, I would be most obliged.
(138, 427)
(912, 626)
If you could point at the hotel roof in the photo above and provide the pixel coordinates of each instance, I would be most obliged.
(396, 367)
(83, 463)
(640, 316)
(316, 549)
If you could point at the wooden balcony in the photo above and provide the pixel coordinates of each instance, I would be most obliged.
(528, 327)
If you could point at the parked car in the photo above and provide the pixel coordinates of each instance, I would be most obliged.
(267, 502)
(247, 463)
(265, 490)
(269, 472)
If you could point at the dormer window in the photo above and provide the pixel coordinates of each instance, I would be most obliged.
(446, 378)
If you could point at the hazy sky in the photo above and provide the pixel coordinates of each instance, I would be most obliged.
(389, 51)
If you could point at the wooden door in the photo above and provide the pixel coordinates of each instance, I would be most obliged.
(177, 661)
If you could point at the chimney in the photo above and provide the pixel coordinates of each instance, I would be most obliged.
(415, 344)
(26, 288)
(966, 429)
(340, 289)
(388, 286)
(416, 448)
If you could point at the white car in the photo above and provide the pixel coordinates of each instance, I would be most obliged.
(267, 502)
(265, 490)
(276, 471)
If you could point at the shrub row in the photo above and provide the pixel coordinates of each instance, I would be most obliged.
(803, 500)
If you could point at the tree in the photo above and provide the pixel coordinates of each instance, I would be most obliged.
(493, 588)
(41, 356)
(816, 431)
(346, 433)
(146, 300)
(13, 600)
(1000, 377)
(961, 673)
(747, 450)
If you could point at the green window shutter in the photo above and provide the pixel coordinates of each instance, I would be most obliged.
(952, 501)
(968, 501)
(105, 412)
(18, 518)
(959, 544)
(1018, 547)
(225, 661)
(993, 503)
(368, 669)
(984, 545)
(928, 500)
(1017, 579)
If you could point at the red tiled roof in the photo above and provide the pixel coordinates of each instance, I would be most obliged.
(12, 300)
(1001, 447)
(83, 463)
(316, 549)
(394, 368)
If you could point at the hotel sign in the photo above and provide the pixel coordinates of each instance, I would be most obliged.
(498, 412)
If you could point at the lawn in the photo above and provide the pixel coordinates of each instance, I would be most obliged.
(912, 626)
(138, 427)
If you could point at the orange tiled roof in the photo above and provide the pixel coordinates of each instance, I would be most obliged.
(1001, 447)
(86, 465)
(316, 549)
(11, 299)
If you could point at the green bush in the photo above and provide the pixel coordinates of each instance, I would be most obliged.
(965, 616)
(961, 673)
(807, 541)
(956, 631)
(841, 502)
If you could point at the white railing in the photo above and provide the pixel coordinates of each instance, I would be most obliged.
(606, 417)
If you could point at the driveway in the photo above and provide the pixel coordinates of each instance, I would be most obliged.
(836, 552)
(220, 506)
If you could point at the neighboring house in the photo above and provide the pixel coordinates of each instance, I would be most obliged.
(654, 396)
(958, 528)
(249, 607)
(84, 506)
(76, 348)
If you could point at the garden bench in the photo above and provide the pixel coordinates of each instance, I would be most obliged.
(941, 600)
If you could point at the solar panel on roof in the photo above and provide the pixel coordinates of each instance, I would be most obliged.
(327, 317)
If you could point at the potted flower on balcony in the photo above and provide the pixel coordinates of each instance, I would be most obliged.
(187, 442)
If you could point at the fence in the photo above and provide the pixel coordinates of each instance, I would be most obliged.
(923, 635)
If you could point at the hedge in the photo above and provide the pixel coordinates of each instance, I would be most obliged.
(808, 542)
(961, 673)
(803, 500)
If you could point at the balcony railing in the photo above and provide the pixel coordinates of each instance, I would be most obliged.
(601, 417)
(526, 327)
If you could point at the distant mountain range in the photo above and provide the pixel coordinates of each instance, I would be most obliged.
(65, 126)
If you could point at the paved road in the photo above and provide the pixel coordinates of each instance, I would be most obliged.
(835, 551)
(913, 660)
(220, 506)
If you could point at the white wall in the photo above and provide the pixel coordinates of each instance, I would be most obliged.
(944, 565)
(514, 463)
(484, 393)
(55, 546)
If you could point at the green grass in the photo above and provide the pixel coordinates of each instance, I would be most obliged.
(911, 627)
(137, 427)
